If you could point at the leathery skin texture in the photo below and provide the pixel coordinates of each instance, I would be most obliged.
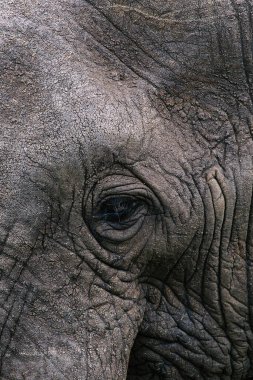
(126, 212)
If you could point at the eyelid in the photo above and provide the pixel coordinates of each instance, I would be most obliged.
(120, 199)
(138, 198)
(136, 204)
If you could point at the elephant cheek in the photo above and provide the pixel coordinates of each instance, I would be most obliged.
(70, 332)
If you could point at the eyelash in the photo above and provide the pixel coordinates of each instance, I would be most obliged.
(118, 209)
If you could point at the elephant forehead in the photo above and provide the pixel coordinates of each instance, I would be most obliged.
(83, 109)
(63, 89)
(167, 43)
(172, 42)
(56, 90)
(97, 109)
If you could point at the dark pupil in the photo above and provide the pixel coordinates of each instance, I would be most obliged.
(117, 210)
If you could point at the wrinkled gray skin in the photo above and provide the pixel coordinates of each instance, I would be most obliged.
(126, 217)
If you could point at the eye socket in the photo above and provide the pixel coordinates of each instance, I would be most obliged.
(120, 212)
(117, 208)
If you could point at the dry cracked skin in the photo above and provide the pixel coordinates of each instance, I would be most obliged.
(126, 212)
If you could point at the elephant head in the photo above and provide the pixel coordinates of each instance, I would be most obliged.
(126, 212)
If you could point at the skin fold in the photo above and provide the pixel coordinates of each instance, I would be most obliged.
(126, 211)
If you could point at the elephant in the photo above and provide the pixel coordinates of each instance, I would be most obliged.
(126, 183)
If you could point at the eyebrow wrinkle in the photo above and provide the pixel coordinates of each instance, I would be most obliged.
(127, 8)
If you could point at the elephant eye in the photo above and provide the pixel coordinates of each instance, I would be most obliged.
(117, 208)
(119, 212)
